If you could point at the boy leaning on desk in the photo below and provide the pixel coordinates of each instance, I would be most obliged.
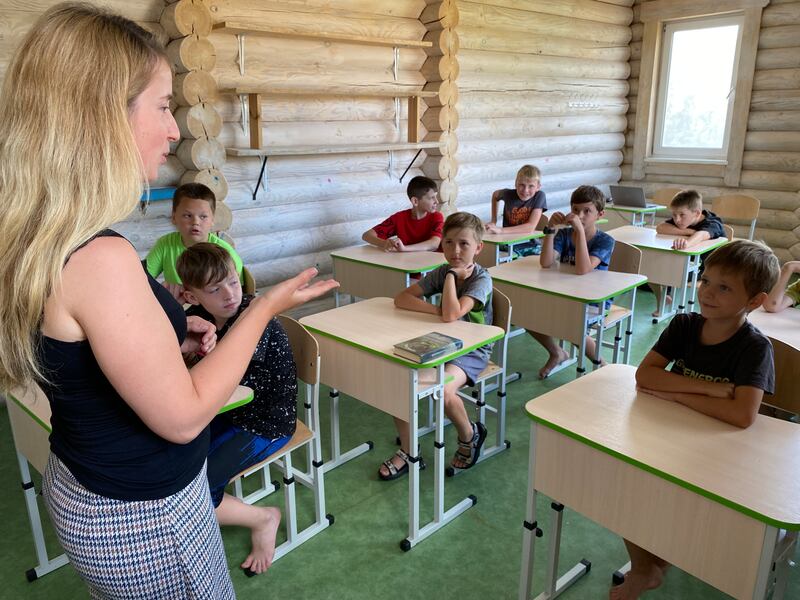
(466, 290)
(721, 364)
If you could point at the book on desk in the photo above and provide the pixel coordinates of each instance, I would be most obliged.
(428, 347)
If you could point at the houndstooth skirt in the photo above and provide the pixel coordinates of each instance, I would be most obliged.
(167, 549)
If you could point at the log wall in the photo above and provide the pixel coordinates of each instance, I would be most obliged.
(545, 83)
(771, 161)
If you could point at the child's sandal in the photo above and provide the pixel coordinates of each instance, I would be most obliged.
(469, 452)
(394, 471)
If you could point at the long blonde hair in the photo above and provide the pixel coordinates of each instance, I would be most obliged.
(69, 165)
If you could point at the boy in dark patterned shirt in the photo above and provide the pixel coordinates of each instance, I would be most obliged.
(244, 436)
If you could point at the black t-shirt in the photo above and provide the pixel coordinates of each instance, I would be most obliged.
(711, 223)
(517, 212)
(745, 358)
(98, 436)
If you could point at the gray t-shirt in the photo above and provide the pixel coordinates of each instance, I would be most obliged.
(477, 286)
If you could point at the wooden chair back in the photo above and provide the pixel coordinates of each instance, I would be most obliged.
(665, 195)
(304, 348)
(787, 365)
(737, 207)
(728, 232)
(543, 221)
(501, 310)
(625, 258)
(249, 284)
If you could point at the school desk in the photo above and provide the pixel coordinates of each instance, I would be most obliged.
(491, 256)
(783, 329)
(368, 272)
(29, 414)
(637, 213)
(355, 343)
(686, 487)
(666, 266)
(557, 302)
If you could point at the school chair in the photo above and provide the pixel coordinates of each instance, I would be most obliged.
(249, 284)
(665, 195)
(787, 365)
(737, 207)
(307, 359)
(625, 258)
(728, 232)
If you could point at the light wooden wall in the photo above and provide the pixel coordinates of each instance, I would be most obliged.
(771, 162)
(541, 82)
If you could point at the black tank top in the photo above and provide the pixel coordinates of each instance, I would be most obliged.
(102, 441)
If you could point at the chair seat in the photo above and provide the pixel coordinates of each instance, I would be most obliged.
(490, 371)
(302, 435)
(615, 315)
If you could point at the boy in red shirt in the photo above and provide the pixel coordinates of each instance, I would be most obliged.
(415, 229)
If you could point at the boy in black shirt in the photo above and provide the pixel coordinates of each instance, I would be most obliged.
(691, 220)
(722, 365)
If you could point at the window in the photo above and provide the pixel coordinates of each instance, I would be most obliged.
(694, 106)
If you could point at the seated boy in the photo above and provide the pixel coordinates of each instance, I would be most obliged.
(721, 364)
(691, 220)
(781, 296)
(193, 208)
(247, 435)
(576, 241)
(414, 229)
(466, 290)
(522, 208)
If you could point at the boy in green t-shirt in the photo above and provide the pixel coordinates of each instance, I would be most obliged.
(193, 208)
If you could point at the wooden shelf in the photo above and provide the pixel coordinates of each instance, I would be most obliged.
(334, 149)
(330, 91)
(243, 28)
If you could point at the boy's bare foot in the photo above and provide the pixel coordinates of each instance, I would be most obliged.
(636, 583)
(263, 540)
(553, 362)
(667, 305)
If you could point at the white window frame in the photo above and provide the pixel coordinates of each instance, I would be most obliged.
(711, 155)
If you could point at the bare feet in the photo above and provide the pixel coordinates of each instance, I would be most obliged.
(553, 362)
(667, 306)
(263, 540)
(636, 583)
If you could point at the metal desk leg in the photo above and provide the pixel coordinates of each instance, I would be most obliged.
(530, 526)
(337, 458)
(765, 563)
(556, 585)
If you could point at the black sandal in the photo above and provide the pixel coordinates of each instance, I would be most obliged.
(472, 446)
(395, 472)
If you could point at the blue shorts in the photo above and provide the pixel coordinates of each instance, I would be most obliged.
(472, 363)
(232, 451)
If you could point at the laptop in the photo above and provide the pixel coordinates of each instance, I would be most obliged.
(622, 195)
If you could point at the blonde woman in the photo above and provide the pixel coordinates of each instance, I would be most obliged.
(84, 121)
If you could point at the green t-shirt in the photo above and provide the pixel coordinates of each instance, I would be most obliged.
(164, 255)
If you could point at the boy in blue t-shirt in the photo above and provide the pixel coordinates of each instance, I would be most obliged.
(576, 241)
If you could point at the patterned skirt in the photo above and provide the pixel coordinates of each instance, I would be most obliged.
(167, 549)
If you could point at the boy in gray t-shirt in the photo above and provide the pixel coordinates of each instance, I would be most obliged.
(466, 290)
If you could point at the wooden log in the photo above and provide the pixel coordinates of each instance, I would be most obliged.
(773, 141)
(413, 119)
(687, 181)
(440, 167)
(201, 153)
(169, 173)
(156, 29)
(530, 67)
(782, 36)
(448, 193)
(390, 10)
(778, 219)
(186, 17)
(634, 68)
(440, 15)
(443, 118)
(637, 31)
(211, 178)
(502, 40)
(633, 82)
(632, 103)
(775, 99)
(200, 120)
(535, 148)
(781, 14)
(550, 165)
(194, 87)
(772, 120)
(777, 79)
(776, 238)
(254, 121)
(271, 272)
(191, 53)
(770, 180)
(288, 109)
(591, 10)
(778, 58)
(440, 68)
(446, 93)
(445, 41)
(535, 23)
(636, 50)
(483, 129)
(490, 82)
(447, 139)
(474, 105)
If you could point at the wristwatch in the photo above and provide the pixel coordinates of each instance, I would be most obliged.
(453, 272)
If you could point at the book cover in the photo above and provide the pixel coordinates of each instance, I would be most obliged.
(428, 347)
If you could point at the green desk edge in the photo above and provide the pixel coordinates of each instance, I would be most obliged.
(684, 252)
(403, 361)
(236, 404)
(636, 209)
(671, 478)
(44, 425)
(366, 262)
(568, 297)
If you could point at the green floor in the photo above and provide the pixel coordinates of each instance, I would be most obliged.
(476, 556)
